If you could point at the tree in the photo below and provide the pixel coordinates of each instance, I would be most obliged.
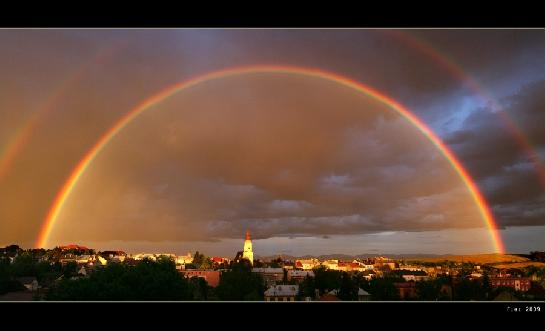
(307, 288)
(429, 290)
(382, 289)
(200, 261)
(199, 288)
(240, 284)
(327, 280)
(148, 280)
(70, 269)
(23, 265)
(348, 290)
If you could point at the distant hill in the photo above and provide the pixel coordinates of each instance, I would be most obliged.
(346, 256)
(494, 258)
(476, 258)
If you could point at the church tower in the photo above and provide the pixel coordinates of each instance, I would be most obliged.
(248, 253)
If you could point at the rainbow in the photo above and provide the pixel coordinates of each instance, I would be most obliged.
(457, 72)
(22, 136)
(85, 162)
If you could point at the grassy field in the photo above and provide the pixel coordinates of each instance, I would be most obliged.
(478, 258)
(519, 265)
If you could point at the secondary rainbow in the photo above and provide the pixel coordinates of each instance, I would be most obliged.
(84, 163)
(23, 135)
(455, 70)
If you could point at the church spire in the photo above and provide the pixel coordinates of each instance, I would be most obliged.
(248, 235)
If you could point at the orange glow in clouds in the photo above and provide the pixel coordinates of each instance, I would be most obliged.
(84, 163)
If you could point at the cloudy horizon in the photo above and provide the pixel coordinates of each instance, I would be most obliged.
(307, 165)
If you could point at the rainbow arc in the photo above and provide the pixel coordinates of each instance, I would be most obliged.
(82, 166)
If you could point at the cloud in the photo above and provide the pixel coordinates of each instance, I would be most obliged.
(488, 147)
(278, 154)
(309, 158)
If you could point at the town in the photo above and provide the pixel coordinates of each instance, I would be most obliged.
(76, 273)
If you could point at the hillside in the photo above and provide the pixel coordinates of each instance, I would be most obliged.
(477, 258)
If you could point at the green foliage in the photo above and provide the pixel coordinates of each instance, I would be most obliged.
(200, 261)
(348, 290)
(428, 290)
(23, 265)
(147, 280)
(467, 290)
(327, 280)
(383, 289)
(7, 282)
(70, 270)
(199, 288)
(240, 284)
(307, 288)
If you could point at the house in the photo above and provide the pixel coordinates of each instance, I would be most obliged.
(82, 272)
(83, 259)
(282, 293)
(31, 283)
(518, 283)
(299, 275)
(363, 295)
(220, 260)
(413, 275)
(406, 290)
(409, 267)
(368, 275)
(114, 256)
(68, 258)
(270, 275)
(331, 264)
(212, 277)
(307, 264)
(350, 266)
(100, 260)
(142, 256)
(476, 275)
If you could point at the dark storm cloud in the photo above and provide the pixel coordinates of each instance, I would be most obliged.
(309, 158)
(368, 171)
(493, 154)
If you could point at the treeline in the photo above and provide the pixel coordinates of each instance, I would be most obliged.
(157, 281)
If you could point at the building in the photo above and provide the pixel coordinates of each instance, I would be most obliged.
(84, 259)
(363, 295)
(368, 275)
(307, 264)
(270, 275)
(30, 283)
(219, 260)
(409, 267)
(299, 275)
(212, 277)
(247, 252)
(142, 256)
(114, 256)
(406, 290)
(331, 264)
(282, 293)
(184, 259)
(413, 275)
(518, 283)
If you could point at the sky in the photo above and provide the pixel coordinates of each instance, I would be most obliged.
(308, 165)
